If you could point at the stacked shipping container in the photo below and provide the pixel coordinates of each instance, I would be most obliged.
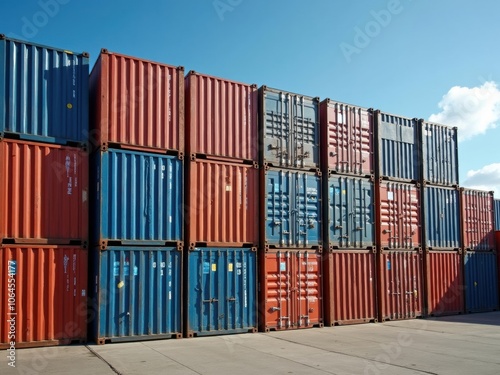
(43, 194)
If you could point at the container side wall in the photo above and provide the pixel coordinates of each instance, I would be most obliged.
(481, 282)
(442, 218)
(477, 220)
(497, 214)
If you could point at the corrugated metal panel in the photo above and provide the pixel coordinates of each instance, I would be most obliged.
(347, 138)
(351, 215)
(444, 282)
(43, 192)
(397, 147)
(137, 102)
(400, 290)
(222, 204)
(291, 290)
(137, 198)
(477, 220)
(497, 213)
(349, 287)
(136, 293)
(398, 221)
(50, 295)
(43, 92)
(221, 117)
(222, 291)
(442, 218)
(439, 154)
(292, 208)
(290, 129)
(481, 281)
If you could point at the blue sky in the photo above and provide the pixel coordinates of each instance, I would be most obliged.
(406, 57)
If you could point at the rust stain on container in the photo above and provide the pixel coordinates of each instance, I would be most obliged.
(221, 117)
(290, 290)
(398, 218)
(477, 220)
(46, 286)
(444, 282)
(349, 287)
(222, 204)
(136, 103)
(43, 193)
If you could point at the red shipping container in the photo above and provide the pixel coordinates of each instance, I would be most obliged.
(43, 193)
(46, 287)
(136, 104)
(222, 204)
(444, 283)
(290, 290)
(347, 136)
(221, 118)
(398, 218)
(349, 287)
(400, 290)
(477, 220)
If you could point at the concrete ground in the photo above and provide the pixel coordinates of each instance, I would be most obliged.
(465, 344)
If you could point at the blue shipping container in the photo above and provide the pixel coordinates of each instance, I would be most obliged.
(350, 213)
(136, 294)
(222, 291)
(397, 147)
(137, 198)
(292, 209)
(43, 93)
(442, 218)
(497, 214)
(481, 281)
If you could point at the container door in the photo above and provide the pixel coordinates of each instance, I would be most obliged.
(278, 286)
(306, 212)
(307, 307)
(277, 135)
(338, 216)
(279, 206)
(305, 127)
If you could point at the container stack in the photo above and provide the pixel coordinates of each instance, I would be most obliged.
(290, 266)
(348, 180)
(222, 192)
(137, 128)
(43, 195)
(398, 217)
(443, 260)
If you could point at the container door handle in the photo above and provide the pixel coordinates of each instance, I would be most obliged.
(232, 299)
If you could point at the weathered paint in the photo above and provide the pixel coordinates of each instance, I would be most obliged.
(477, 220)
(481, 281)
(497, 213)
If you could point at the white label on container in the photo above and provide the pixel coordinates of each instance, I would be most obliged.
(390, 195)
(228, 187)
(154, 264)
(84, 292)
(169, 295)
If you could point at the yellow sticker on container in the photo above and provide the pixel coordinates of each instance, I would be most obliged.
(69, 105)
(230, 267)
(214, 267)
(120, 284)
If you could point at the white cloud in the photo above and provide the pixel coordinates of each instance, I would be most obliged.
(472, 110)
(487, 178)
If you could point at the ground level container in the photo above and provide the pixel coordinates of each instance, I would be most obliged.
(43, 295)
(444, 282)
(136, 294)
(290, 289)
(221, 291)
(481, 281)
(43, 193)
(349, 287)
(400, 284)
(477, 220)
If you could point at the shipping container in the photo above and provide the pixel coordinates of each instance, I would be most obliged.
(444, 282)
(221, 291)
(497, 213)
(351, 212)
(347, 138)
(222, 204)
(43, 93)
(439, 152)
(398, 220)
(441, 218)
(291, 209)
(43, 295)
(477, 220)
(397, 147)
(221, 118)
(290, 287)
(43, 193)
(136, 103)
(289, 129)
(136, 294)
(349, 287)
(137, 198)
(481, 281)
(400, 289)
